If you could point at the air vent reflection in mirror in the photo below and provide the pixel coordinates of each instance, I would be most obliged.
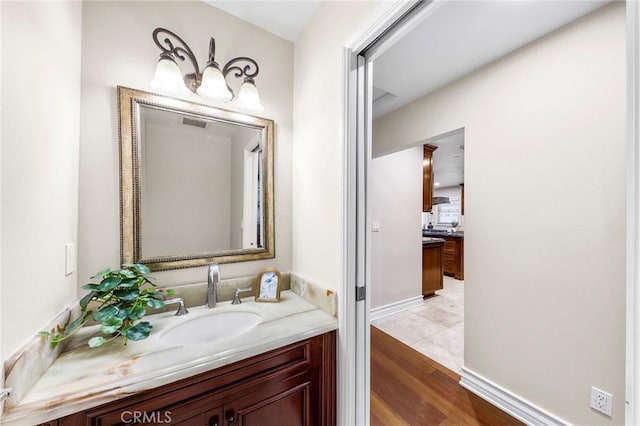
(193, 122)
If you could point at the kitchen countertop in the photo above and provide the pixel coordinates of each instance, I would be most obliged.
(432, 241)
(83, 377)
(441, 234)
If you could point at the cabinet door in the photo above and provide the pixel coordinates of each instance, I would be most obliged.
(431, 269)
(287, 402)
(199, 412)
(427, 177)
(449, 257)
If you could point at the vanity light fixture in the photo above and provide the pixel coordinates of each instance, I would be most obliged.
(211, 82)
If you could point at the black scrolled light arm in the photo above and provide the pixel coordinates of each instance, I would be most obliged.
(244, 71)
(169, 50)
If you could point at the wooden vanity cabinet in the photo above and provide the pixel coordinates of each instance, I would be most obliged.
(427, 177)
(293, 385)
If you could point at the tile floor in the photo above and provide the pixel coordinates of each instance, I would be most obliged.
(436, 328)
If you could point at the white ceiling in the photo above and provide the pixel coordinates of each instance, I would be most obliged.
(448, 159)
(285, 19)
(463, 37)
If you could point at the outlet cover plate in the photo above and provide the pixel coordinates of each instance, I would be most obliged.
(601, 401)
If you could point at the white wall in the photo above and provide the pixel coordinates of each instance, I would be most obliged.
(544, 279)
(117, 49)
(319, 145)
(182, 212)
(40, 136)
(396, 203)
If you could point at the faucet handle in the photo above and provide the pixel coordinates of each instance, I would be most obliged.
(236, 296)
(182, 310)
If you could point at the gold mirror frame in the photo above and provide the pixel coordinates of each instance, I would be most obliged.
(129, 102)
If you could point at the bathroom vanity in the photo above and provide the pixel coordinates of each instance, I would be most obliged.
(281, 371)
(294, 385)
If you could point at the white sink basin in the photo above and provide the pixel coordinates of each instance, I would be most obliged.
(211, 328)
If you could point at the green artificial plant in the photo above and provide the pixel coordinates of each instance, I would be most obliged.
(120, 301)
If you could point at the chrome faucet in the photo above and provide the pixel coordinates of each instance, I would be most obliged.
(236, 296)
(182, 310)
(213, 277)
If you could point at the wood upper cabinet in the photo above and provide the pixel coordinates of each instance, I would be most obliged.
(462, 199)
(294, 385)
(427, 177)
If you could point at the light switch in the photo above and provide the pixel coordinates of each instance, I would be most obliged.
(375, 226)
(70, 258)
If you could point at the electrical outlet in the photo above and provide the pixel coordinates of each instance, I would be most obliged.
(375, 226)
(601, 401)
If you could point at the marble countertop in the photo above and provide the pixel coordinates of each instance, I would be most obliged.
(83, 377)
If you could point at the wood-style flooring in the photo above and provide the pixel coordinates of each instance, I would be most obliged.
(408, 388)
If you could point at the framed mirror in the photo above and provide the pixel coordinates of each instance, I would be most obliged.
(196, 183)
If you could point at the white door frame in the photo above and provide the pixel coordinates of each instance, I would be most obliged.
(354, 352)
(632, 356)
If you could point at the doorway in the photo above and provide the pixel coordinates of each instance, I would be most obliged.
(512, 232)
(417, 243)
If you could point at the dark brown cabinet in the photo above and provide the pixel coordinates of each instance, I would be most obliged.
(293, 385)
(427, 177)
(453, 257)
(432, 267)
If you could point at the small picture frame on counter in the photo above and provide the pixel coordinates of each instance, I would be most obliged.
(268, 284)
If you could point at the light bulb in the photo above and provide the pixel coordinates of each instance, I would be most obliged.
(213, 85)
(168, 78)
(248, 98)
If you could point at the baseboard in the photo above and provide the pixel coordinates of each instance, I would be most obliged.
(508, 402)
(395, 307)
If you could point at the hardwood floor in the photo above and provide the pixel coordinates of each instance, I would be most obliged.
(409, 389)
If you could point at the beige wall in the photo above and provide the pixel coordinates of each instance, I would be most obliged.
(544, 281)
(396, 203)
(118, 49)
(40, 134)
(319, 141)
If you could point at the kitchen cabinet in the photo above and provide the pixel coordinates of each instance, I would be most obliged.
(293, 385)
(427, 177)
(453, 257)
(432, 266)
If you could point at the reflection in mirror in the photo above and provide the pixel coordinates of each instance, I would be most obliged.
(199, 188)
